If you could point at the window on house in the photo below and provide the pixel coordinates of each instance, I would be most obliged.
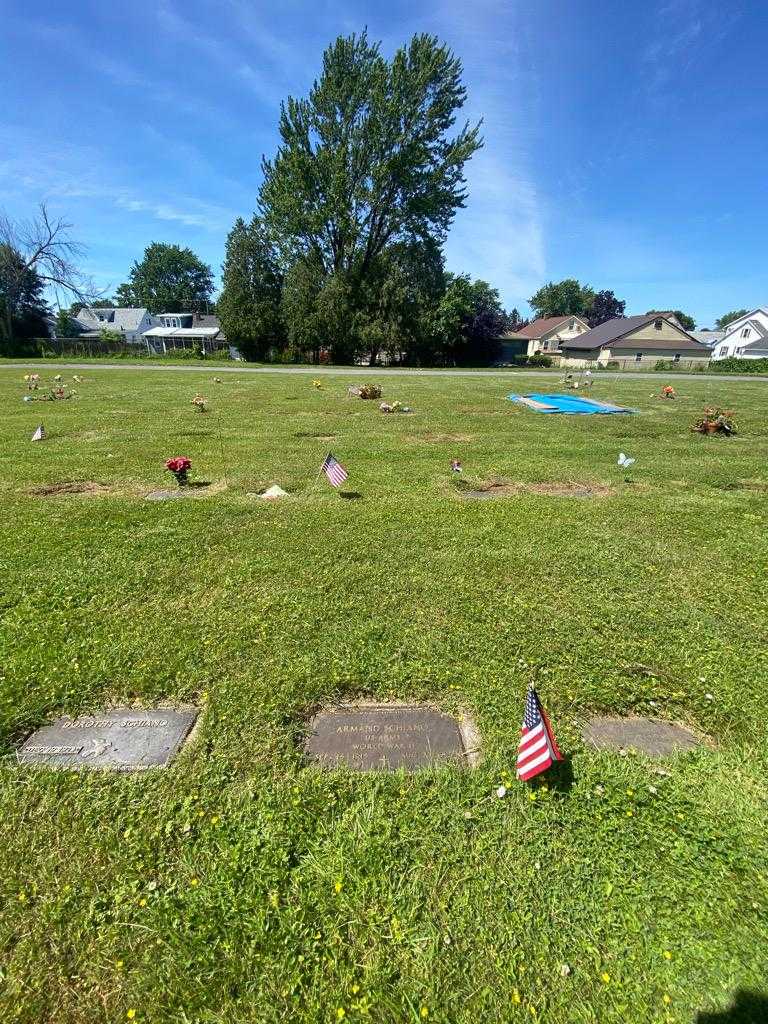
(723, 351)
(657, 324)
(739, 351)
(638, 356)
(745, 333)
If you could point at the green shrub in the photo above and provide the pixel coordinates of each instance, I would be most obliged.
(663, 365)
(733, 365)
(539, 360)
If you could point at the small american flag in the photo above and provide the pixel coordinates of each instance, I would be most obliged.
(39, 434)
(538, 747)
(334, 470)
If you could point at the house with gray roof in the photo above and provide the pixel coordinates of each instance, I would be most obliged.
(745, 338)
(129, 322)
(186, 330)
(636, 341)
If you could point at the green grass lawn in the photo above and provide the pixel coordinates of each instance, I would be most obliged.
(242, 885)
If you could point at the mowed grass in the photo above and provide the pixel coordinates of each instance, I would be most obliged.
(241, 884)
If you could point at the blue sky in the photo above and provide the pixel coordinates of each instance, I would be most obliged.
(625, 143)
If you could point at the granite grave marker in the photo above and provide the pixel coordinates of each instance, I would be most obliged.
(123, 739)
(388, 736)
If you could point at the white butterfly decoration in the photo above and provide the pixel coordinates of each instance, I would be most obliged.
(624, 461)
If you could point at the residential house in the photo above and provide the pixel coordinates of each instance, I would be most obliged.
(186, 330)
(544, 335)
(709, 338)
(128, 322)
(745, 338)
(636, 341)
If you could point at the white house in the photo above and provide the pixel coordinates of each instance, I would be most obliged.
(127, 321)
(745, 338)
(185, 330)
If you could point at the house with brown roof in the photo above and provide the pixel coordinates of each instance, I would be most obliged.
(543, 335)
(636, 342)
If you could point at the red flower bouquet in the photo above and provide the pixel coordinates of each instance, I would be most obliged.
(179, 466)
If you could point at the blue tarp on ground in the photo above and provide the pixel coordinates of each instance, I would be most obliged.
(566, 403)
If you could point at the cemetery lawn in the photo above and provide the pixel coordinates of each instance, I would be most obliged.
(241, 885)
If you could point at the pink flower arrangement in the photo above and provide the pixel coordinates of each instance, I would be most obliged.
(179, 466)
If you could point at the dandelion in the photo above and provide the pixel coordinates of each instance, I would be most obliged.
(424, 1012)
(131, 1014)
(194, 881)
(355, 989)
(215, 819)
(337, 887)
(666, 999)
(143, 902)
(630, 792)
(341, 1013)
(605, 977)
(533, 1011)
(532, 797)
(515, 996)
(22, 897)
(667, 955)
(630, 814)
(119, 964)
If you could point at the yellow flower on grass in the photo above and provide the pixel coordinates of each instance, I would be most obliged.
(131, 1014)
(215, 819)
(355, 989)
(533, 1011)
(667, 955)
(22, 897)
(532, 797)
(119, 964)
(666, 999)
(630, 814)
(424, 1012)
(515, 996)
(605, 977)
(341, 1013)
(337, 887)
(194, 881)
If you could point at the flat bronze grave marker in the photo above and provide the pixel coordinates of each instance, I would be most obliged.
(386, 737)
(123, 739)
(646, 735)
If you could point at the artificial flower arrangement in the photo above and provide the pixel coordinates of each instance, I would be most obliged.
(32, 380)
(668, 392)
(715, 421)
(317, 384)
(200, 403)
(370, 391)
(393, 407)
(180, 467)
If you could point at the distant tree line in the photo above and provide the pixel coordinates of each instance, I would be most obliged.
(343, 258)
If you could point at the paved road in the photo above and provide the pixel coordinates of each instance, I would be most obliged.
(362, 371)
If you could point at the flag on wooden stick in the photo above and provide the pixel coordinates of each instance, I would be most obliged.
(538, 748)
(39, 434)
(334, 470)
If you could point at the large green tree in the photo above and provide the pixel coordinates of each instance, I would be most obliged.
(23, 309)
(249, 304)
(168, 279)
(722, 321)
(562, 298)
(366, 162)
(36, 255)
